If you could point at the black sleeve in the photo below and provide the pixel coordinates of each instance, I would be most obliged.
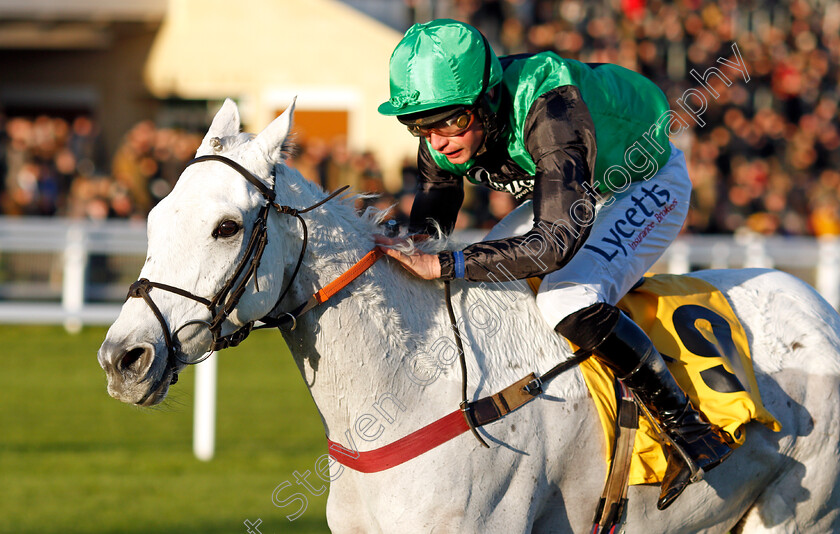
(438, 197)
(560, 137)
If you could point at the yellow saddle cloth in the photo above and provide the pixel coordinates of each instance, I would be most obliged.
(706, 349)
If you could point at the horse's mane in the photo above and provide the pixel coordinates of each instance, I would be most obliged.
(369, 221)
(339, 236)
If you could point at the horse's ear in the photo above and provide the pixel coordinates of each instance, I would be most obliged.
(273, 140)
(225, 123)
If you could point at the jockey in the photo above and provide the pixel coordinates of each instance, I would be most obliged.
(587, 146)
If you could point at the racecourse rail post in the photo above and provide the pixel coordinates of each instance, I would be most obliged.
(74, 277)
(204, 414)
(828, 270)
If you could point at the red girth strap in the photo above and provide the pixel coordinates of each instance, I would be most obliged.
(402, 450)
(483, 411)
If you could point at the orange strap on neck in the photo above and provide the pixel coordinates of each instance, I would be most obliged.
(325, 293)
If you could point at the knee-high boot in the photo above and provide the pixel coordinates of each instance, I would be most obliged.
(629, 352)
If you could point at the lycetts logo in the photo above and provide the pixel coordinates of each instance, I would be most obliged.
(636, 219)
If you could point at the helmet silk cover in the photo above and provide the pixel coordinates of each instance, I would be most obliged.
(438, 64)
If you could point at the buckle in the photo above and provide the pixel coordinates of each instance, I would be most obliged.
(534, 387)
(466, 409)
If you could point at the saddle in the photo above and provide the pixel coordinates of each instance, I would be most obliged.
(705, 347)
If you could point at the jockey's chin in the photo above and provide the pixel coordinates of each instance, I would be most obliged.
(459, 156)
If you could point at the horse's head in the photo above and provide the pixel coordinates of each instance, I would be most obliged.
(201, 282)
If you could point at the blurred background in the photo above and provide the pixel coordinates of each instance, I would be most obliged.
(102, 103)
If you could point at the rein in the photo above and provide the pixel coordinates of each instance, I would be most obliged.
(533, 386)
(469, 416)
(226, 300)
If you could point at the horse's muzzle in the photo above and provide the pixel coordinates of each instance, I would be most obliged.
(132, 373)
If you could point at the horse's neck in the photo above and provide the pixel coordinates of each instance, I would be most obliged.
(353, 350)
(387, 336)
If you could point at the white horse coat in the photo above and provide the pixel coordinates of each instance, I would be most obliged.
(378, 360)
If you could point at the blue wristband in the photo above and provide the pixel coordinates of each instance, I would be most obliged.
(458, 256)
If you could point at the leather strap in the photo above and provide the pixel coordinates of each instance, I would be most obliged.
(462, 362)
(404, 449)
(489, 409)
(144, 286)
(264, 190)
(348, 276)
(614, 497)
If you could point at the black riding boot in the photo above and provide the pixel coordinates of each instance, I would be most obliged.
(629, 352)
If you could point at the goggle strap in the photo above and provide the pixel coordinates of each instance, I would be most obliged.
(485, 78)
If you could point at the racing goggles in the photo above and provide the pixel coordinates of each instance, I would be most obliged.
(456, 124)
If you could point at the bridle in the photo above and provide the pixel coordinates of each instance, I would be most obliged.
(227, 298)
(470, 415)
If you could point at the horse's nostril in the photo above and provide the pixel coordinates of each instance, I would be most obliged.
(131, 357)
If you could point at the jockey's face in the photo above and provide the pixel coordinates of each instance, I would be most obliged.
(458, 148)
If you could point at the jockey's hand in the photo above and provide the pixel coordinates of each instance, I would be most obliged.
(422, 265)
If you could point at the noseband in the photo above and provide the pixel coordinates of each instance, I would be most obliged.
(226, 300)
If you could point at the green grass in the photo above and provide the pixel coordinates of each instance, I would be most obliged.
(74, 460)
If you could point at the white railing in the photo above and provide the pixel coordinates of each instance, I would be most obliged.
(62, 251)
(817, 261)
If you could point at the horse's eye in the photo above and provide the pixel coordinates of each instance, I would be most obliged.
(226, 228)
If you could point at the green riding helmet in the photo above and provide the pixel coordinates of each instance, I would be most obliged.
(438, 64)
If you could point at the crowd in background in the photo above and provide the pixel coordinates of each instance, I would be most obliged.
(52, 166)
(767, 158)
